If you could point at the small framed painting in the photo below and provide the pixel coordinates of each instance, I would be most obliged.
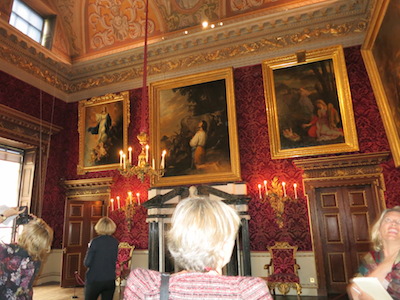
(103, 131)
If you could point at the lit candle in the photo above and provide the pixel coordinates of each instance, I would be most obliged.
(138, 198)
(295, 190)
(147, 153)
(163, 159)
(284, 188)
(153, 164)
(121, 153)
(259, 191)
(130, 197)
(130, 155)
(124, 160)
(118, 203)
(265, 187)
(112, 204)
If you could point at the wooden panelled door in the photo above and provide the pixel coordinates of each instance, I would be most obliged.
(345, 216)
(80, 219)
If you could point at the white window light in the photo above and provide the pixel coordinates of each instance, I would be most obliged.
(26, 20)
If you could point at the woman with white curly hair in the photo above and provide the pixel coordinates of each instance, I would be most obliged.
(200, 241)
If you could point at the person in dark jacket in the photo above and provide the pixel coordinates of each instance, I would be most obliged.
(100, 260)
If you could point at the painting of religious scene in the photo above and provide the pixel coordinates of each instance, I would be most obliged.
(195, 122)
(309, 108)
(102, 125)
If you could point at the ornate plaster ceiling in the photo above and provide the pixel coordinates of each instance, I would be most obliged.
(98, 45)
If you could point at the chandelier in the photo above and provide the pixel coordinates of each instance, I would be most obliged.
(143, 167)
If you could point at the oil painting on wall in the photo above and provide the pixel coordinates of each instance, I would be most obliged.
(309, 107)
(381, 53)
(103, 131)
(193, 118)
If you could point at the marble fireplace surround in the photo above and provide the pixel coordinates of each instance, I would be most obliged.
(161, 205)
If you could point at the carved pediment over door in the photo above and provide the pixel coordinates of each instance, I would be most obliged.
(345, 195)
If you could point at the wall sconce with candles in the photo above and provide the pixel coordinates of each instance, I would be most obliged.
(277, 195)
(131, 205)
(142, 168)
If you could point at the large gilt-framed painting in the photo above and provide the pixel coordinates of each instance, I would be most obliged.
(103, 131)
(308, 103)
(193, 118)
(381, 54)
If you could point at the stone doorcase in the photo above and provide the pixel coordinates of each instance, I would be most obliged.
(161, 205)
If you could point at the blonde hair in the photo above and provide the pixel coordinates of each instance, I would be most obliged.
(375, 235)
(36, 238)
(105, 226)
(200, 229)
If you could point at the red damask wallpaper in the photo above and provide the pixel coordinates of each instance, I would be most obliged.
(256, 164)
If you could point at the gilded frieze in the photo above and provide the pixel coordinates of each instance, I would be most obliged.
(226, 53)
(224, 46)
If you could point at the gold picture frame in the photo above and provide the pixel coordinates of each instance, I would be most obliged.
(103, 131)
(381, 54)
(308, 103)
(183, 111)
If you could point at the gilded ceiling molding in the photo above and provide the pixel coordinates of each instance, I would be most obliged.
(127, 72)
(227, 53)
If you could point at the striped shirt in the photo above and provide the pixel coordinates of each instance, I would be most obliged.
(145, 284)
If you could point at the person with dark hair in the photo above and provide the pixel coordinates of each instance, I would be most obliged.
(201, 242)
(384, 261)
(20, 262)
(100, 260)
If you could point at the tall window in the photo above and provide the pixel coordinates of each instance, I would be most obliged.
(26, 20)
(10, 175)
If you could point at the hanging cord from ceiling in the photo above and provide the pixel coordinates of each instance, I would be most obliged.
(44, 163)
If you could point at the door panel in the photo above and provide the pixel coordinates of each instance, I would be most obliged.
(336, 264)
(346, 214)
(80, 219)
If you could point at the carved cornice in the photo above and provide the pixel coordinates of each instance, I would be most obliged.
(344, 166)
(88, 187)
(24, 128)
(249, 40)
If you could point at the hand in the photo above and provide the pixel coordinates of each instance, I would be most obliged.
(356, 293)
(12, 211)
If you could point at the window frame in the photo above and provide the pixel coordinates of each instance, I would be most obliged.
(46, 14)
